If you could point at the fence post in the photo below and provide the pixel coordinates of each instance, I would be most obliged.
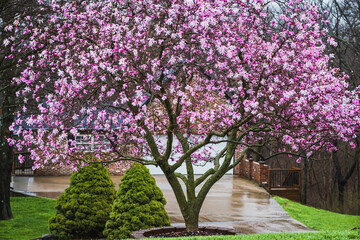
(262, 173)
(250, 158)
(269, 180)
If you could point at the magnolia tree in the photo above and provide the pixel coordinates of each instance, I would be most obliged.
(195, 73)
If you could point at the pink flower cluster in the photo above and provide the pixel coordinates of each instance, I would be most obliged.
(190, 70)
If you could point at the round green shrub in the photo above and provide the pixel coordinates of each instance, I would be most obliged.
(83, 209)
(139, 204)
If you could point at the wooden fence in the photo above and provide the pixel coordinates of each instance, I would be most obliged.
(285, 183)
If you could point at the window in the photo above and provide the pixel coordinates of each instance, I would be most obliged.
(90, 143)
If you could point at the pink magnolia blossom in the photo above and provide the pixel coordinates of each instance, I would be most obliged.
(280, 80)
(195, 73)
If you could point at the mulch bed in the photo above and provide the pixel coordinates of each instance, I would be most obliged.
(181, 232)
(185, 234)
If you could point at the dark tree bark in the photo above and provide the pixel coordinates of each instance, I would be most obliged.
(6, 156)
(305, 180)
(341, 179)
(5, 149)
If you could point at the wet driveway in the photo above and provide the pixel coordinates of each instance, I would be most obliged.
(233, 202)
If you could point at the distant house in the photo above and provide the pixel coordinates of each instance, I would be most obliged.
(86, 143)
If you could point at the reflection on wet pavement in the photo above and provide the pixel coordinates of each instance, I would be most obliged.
(232, 202)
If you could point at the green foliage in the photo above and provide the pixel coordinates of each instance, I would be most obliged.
(83, 209)
(319, 219)
(139, 204)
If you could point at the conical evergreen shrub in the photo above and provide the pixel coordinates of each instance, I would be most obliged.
(139, 204)
(83, 209)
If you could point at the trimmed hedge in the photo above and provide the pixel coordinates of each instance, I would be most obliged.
(83, 209)
(139, 204)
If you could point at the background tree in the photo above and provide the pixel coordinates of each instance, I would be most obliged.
(11, 64)
(344, 20)
(330, 179)
(196, 73)
(337, 178)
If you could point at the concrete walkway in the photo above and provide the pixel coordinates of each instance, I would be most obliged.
(233, 202)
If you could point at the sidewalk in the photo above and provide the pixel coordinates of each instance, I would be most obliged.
(232, 202)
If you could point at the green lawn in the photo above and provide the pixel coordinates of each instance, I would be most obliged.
(319, 219)
(32, 214)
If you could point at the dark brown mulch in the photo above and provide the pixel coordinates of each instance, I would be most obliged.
(181, 232)
(185, 234)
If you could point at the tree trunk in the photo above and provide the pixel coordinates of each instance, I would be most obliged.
(341, 190)
(191, 218)
(190, 209)
(6, 162)
(5, 179)
(338, 178)
(305, 180)
(342, 180)
(190, 204)
(6, 158)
